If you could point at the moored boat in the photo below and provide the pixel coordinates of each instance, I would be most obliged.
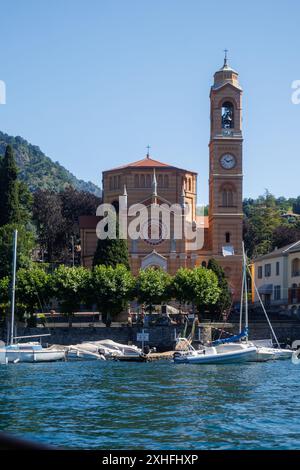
(15, 351)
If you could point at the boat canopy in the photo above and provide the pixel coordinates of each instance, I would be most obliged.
(232, 339)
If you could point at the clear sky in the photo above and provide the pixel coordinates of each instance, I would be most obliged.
(94, 82)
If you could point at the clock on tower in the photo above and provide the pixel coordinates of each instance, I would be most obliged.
(226, 172)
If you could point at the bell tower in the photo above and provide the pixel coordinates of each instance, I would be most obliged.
(226, 173)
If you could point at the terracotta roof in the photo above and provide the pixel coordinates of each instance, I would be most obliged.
(148, 162)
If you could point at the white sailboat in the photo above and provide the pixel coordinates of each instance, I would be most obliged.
(238, 348)
(263, 353)
(16, 352)
(232, 350)
(277, 353)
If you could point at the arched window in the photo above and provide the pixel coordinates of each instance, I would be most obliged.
(166, 181)
(227, 195)
(148, 181)
(160, 181)
(136, 181)
(296, 267)
(115, 182)
(110, 183)
(227, 115)
(227, 237)
(190, 184)
(142, 181)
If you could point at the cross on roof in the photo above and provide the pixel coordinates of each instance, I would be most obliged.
(225, 59)
(148, 152)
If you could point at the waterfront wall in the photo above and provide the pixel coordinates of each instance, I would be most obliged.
(161, 337)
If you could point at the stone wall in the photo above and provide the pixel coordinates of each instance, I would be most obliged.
(161, 337)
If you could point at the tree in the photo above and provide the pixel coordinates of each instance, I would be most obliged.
(206, 291)
(9, 195)
(285, 235)
(152, 286)
(69, 285)
(24, 248)
(198, 286)
(75, 204)
(263, 218)
(4, 296)
(26, 202)
(56, 216)
(33, 290)
(111, 251)
(183, 286)
(47, 214)
(110, 288)
(225, 299)
(296, 206)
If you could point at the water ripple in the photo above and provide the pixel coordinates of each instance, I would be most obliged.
(98, 405)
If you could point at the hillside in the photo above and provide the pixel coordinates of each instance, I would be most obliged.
(38, 171)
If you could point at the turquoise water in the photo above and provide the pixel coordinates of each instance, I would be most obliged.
(110, 405)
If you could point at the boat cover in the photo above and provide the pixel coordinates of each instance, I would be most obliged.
(232, 339)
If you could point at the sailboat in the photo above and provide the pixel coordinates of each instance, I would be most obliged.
(277, 353)
(15, 352)
(237, 348)
(263, 353)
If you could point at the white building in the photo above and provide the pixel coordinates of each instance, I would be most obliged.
(277, 277)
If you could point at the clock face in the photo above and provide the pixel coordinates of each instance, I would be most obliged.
(228, 161)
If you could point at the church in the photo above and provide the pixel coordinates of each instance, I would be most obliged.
(148, 180)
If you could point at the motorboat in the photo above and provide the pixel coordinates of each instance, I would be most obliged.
(104, 350)
(231, 354)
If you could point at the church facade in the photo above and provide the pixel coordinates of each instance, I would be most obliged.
(149, 181)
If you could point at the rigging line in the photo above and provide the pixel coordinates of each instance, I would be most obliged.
(263, 307)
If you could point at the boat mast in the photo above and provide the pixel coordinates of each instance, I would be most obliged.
(242, 301)
(246, 286)
(13, 291)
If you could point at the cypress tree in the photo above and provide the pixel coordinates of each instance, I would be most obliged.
(111, 252)
(9, 190)
(225, 300)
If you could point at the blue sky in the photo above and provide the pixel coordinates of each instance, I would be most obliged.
(94, 82)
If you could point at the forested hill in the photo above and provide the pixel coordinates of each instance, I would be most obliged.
(38, 171)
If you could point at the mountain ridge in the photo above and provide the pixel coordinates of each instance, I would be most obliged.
(39, 171)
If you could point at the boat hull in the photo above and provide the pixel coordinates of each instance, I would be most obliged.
(235, 357)
(31, 356)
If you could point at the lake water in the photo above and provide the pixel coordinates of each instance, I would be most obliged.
(111, 405)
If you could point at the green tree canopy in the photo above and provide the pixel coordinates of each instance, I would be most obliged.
(152, 286)
(4, 296)
(112, 251)
(225, 299)
(9, 195)
(110, 288)
(33, 289)
(24, 248)
(198, 286)
(68, 286)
